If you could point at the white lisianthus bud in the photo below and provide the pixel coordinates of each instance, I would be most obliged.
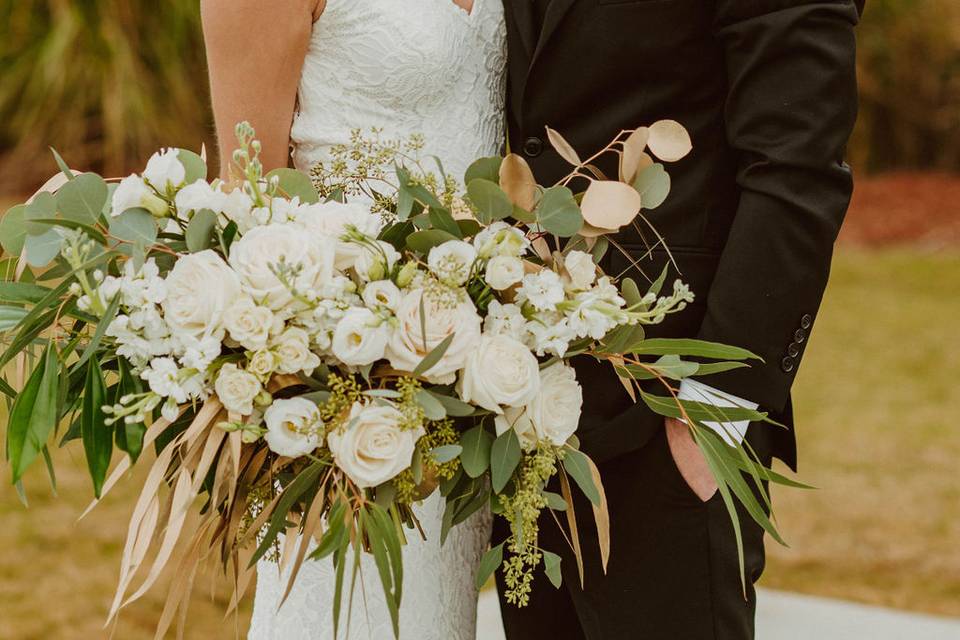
(451, 261)
(293, 352)
(376, 263)
(373, 446)
(237, 389)
(555, 410)
(503, 272)
(499, 372)
(516, 418)
(134, 193)
(407, 272)
(294, 427)
(200, 287)
(360, 337)
(381, 293)
(248, 323)
(164, 170)
(581, 269)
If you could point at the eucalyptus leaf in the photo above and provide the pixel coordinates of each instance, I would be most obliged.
(13, 230)
(489, 200)
(83, 198)
(293, 183)
(671, 366)
(445, 453)
(691, 347)
(491, 560)
(577, 466)
(441, 219)
(61, 164)
(194, 166)
(558, 212)
(433, 409)
(475, 457)
(505, 455)
(454, 406)
(700, 411)
(423, 241)
(485, 169)
(200, 230)
(134, 225)
(630, 292)
(22, 292)
(433, 357)
(551, 567)
(653, 185)
(43, 206)
(42, 249)
(10, 316)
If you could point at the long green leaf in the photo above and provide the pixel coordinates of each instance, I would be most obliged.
(505, 455)
(577, 466)
(34, 414)
(491, 560)
(433, 357)
(690, 347)
(97, 436)
(291, 493)
(475, 457)
(700, 411)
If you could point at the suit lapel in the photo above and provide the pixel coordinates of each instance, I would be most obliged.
(523, 17)
(555, 14)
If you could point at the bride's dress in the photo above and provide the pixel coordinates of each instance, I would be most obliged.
(408, 67)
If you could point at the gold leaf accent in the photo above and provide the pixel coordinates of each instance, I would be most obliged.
(633, 158)
(517, 181)
(572, 522)
(608, 204)
(601, 515)
(669, 140)
(563, 147)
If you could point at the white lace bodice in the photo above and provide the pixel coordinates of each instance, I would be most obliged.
(407, 67)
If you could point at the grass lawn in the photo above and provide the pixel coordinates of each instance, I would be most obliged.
(875, 433)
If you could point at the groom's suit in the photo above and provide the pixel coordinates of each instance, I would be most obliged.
(767, 90)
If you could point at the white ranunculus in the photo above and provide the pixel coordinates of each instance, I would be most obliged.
(516, 418)
(581, 269)
(237, 389)
(555, 411)
(164, 170)
(294, 427)
(133, 193)
(257, 255)
(407, 346)
(200, 287)
(376, 263)
(499, 372)
(293, 352)
(544, 290)
(451, 261)
(500, 239)
(335, 219)
(360, 337)
(381, 293)
(372, 447)
(249, 323)
(503, 272)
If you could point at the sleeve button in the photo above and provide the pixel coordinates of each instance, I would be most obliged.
(533, 146)
(787, 364)
(799, 336)
(806, 321)
(793, 350)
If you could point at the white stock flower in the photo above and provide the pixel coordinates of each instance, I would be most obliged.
(200, 287)
(163, 378)
(376, 263)
(199, 353)
(294, 427)
(414, 338)
(503, 272)
(499, 372)
(550, 336)
(237, 389)
(164, 170)
(360, 337)
(544, 290)
(335, 219)
(451, 261)
(581, 269)
(555, 411)
(133, 193)
(381, 293)
(293, 352)
(373, 447)
(500, 239)
(505, 319)
(249, 323)
(516, 418)
(257, 255)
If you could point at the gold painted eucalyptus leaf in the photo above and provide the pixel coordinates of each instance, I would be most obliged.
(517, 181)
(563, 147)
(634, 158)
(608, 204)
(669, 140)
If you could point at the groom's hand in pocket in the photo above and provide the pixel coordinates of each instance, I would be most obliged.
(689, 459)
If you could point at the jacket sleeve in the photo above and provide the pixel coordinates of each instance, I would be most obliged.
(791, 106)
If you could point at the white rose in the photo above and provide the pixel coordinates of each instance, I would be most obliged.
(133, 193)
(164, 170)
(500, 239)
(262, 363)
(581, 269)
(516, 418)
(293, 352)
(555, 411)
(248, 323)
(258, 253)
(373, 448)
(237, 389)
(381, 293)
(200, 287)
(544, 290)
(451, 261)
(499, 372)
(335, 219)
(407, 346)
(294, 427)
(503, 272)
(376, 263)
(360, 337)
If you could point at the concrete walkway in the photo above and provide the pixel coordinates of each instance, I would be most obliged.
(787, 616)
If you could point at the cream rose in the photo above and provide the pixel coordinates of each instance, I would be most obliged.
(407, 346)
(248, 323)
(580, 268)
(360, 337)
(503, 272)
(262, 363)
(237, 389)
(292, 348)
(499, 372)
(200, 288)
(334, 220)
(517, 419)
(294, 427)
(373, 447)
(256, 256)
(555, 411)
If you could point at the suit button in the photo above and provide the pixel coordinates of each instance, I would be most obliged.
(799, 336)
(787, 364)
(533, 146)
(793, 350)
(806, 321)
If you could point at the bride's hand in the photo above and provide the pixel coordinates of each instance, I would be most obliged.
(689, 459)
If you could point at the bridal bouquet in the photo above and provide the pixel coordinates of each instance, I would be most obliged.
(313, 357)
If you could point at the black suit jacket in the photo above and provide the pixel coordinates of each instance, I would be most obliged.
(767, 90)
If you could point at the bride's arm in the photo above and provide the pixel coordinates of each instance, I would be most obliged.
(255, 53)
